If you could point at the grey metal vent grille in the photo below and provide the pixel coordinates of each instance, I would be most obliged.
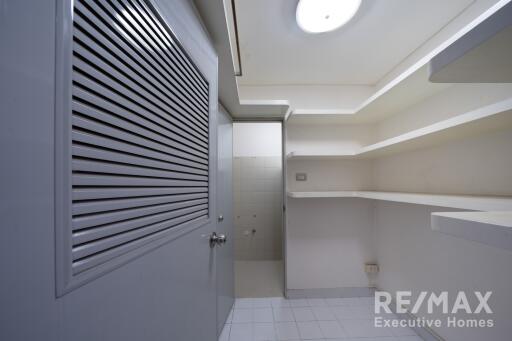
(140, 132)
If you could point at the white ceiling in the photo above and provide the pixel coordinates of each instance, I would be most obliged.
(276, 52)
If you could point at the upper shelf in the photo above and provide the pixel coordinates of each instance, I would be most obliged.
(467, 202)
(483, 55)
(492, 228)
(491, 117)
(408, 88)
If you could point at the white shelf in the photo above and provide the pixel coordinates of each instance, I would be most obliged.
(326, 194)
(319, 156)
(491, 228)
(488, 118)
(408, 88)
(403, 90)
(467, 202)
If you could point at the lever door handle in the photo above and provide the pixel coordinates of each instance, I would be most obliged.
(217, 239)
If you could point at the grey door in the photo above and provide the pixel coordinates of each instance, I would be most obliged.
(105, 213)
(225, 259)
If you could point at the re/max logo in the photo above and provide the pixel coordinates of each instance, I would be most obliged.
(383, 301)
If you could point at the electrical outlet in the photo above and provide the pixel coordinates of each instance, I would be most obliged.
(370, 268)
(301, 177)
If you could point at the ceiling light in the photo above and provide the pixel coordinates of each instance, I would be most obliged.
(317, 16)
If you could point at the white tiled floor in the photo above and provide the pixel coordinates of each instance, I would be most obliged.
(331, 319)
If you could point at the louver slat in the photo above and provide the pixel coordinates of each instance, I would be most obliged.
(140, 133)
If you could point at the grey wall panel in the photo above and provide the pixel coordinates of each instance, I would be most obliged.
(148, 298)
(28, 309)
(184, 136)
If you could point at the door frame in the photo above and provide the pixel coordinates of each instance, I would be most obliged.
(281, 120)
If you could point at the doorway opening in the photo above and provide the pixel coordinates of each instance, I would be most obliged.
(258, 209)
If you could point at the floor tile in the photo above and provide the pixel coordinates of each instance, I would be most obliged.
(224, 335)
(408, 338)
(303, 314)
(230, 317)
(317, 302)
(335, 302)
(323, 313)
(402, 331)
(262, 303)
(299, 302)
(342, 313)
(353, 301)
(243, 303)
(263, 315)
(279, 302)
(364, 328)
(241, 332)
(286, 331)
(264, 332)
(242, 316)
(362, 312)
(331, 329)
(283, 315)
(309, 330)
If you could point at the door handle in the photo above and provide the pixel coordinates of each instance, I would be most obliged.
(220, 218)
(217, 239)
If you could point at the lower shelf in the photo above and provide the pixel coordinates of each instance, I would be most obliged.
(491, 228)
(465, 202)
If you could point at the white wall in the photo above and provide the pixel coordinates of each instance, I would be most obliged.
(328, 243)
(413, 257)
(331, 175)
(479, 166)
(325, 138)
(257, 139)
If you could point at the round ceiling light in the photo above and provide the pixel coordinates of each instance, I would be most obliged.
(317, 16)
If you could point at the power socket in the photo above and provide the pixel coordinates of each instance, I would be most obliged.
(301, 177)
(371, 268)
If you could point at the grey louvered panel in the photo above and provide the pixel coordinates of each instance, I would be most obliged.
(96, 56)
(85, 166)
(110, 76)
(167, 43)
(79, 179)
(124, 52)
(139, 136)
(112, 132)
(100, 83)
(101, 154)
(101, 17)
(105, 107)
(110, 193)
(130, 149)
(93, 115)
(84, 236)
(96, 206)
(115, 51)
(150, 43)
(90, 220)
(99, 245)
(156, 232)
